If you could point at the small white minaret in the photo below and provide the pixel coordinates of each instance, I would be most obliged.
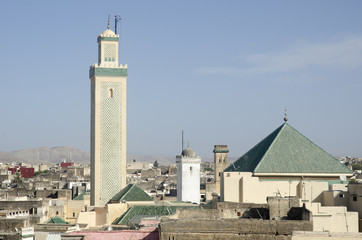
(188, 176)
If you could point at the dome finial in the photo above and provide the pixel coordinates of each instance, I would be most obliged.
(109, 16)
(285, 114)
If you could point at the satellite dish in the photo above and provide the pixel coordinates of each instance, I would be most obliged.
(343, 177)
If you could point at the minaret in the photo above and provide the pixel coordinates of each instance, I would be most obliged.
(108, 121)
(188, 176)
(221, 153)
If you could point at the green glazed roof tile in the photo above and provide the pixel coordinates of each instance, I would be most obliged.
(139, 210)
(131, 193)
(80, 196)
(287, 151)
(56, 220)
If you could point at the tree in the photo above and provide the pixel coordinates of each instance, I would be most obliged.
(357, 166)
(155, 164)
(18, 178)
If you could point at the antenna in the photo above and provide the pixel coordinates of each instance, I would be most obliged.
(117, 18)
(182, 140)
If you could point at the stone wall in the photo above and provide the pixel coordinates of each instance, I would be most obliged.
(6, 194)
(9, 225)
(10, 236)
(21, 205)
(56, 193)
(231, 229)
(279, 206)
(220, 210)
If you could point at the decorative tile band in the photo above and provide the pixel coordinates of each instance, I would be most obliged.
(113, 39)
(221, 151)
(112, 72)
(111, 145)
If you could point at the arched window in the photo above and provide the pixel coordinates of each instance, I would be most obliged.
(105, 59)
(110, 93)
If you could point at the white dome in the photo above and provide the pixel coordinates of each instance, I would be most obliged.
(188, 152)
(108, 32)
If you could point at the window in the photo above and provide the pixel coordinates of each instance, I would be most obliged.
(110, 93)
(354, 198)
(74, 214)
(341, 195)
(56, 212)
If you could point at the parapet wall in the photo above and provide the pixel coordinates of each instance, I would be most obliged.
(21, 205)
(231, 229)
(14, 224)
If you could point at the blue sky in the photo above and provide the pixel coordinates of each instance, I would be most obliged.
(221, 71)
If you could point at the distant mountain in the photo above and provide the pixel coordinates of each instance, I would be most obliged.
(55, 155)
(46, 155)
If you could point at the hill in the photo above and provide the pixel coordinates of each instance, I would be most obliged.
(53, 155)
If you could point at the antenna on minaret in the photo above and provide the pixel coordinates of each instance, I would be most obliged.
(285, 114)
(109, 21)
(182, 140)
(117, 18)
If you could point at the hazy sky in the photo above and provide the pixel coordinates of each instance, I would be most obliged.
(222, 71)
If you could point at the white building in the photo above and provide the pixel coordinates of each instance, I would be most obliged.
(188, 176)
(108, 121)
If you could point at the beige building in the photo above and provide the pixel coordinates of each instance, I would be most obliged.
(287, 164)
(108, 121)
(130, 202)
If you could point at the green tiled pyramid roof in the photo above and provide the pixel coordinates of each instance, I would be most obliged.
(139, 210)
(131, 193)
(80, 196)
(287, 151)
(56, 220)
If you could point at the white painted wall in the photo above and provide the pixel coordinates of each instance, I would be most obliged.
(188, 179)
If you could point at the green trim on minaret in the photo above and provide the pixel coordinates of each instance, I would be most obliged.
(287, 151)
(220, 151)
(112, 72)
(112, 39)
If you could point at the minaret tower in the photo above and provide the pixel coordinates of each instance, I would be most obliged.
(188, 176)
(221, 153)
(108, 121)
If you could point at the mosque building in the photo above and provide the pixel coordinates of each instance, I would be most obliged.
(284, 163)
